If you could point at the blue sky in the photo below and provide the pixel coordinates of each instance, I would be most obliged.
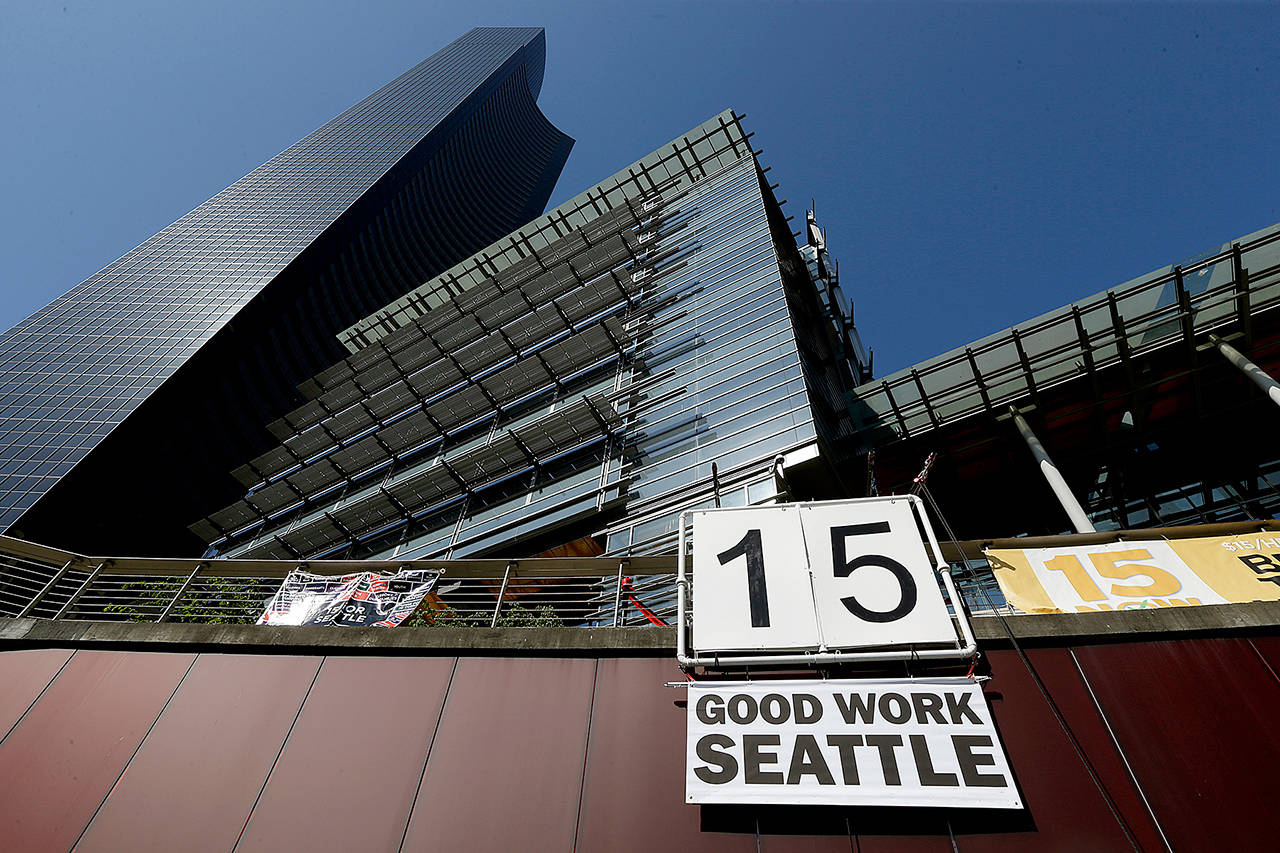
(975, 164)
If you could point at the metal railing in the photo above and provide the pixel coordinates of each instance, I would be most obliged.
(592, 592)
(50, 583)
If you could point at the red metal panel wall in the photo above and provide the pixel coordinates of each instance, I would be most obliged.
(546, 754)
(505, 769)
(1268, 649)
(633, 790)
(348, 773)
(1058, 671)
(788, 829)
(911, 833)
(1064, 809)
(60, 761)
(1196, 719)
(198, 772)
(799, 838)
(23, 675)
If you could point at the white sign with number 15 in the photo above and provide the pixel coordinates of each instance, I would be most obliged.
(834, 575)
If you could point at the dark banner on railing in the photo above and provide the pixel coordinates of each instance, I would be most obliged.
(1140, 575)
(364, 598)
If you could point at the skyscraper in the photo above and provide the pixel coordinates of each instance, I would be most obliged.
(124, 401)
(655, 343)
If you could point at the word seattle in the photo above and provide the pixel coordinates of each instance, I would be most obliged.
(881, 743)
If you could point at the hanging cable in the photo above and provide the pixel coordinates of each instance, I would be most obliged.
(1035, 678)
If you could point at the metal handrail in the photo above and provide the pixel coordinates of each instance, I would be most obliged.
(232, 568)
(42, 581)
(45, 582)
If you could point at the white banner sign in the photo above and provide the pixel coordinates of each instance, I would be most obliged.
(884, 742)
(838, 575)
(1140, 574)
(363, 598)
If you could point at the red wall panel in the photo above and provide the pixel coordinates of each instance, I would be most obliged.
(194, 779)
(1197, 721)
(24, 674)
(1064, 809)
(1268, 648)
(1058, 671)
(348, 773)
(633, 791)
(798, 840)
(505, 768)
(931, 840)
(900, 831)
(823, 832)
(559, 754)
(60, 761)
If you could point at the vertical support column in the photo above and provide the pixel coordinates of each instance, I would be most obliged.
(1068, 501)
(1259, 377)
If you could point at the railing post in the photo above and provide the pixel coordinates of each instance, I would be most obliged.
(497, 608)
(53, 581)
(182, 590)
(93, 576)
(617, 593)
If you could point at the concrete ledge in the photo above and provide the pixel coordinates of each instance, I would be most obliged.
(1114, 626)
(29, 633)
(1222, 619)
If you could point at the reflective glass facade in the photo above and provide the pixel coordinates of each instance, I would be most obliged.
(153, 378)
(719, 350)
(652, 345)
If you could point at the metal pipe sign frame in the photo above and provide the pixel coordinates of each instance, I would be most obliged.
(808, 583)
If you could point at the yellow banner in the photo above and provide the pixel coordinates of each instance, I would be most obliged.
(1140, 574)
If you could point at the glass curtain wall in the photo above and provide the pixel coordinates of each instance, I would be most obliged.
(562, 385)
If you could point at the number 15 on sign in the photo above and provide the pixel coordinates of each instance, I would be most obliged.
(844, 574)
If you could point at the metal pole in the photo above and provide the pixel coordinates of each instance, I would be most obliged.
(93, 576)
(53, 581)
(617, 593)
(682, 591)
(164, 617)
(1269, 386)
(1070, 505)
(497, 608)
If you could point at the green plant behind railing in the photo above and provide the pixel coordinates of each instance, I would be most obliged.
(240, 601)
(513, 615)
(219, 600)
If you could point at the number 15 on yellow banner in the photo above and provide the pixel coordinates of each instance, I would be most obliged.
(1115, 576)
